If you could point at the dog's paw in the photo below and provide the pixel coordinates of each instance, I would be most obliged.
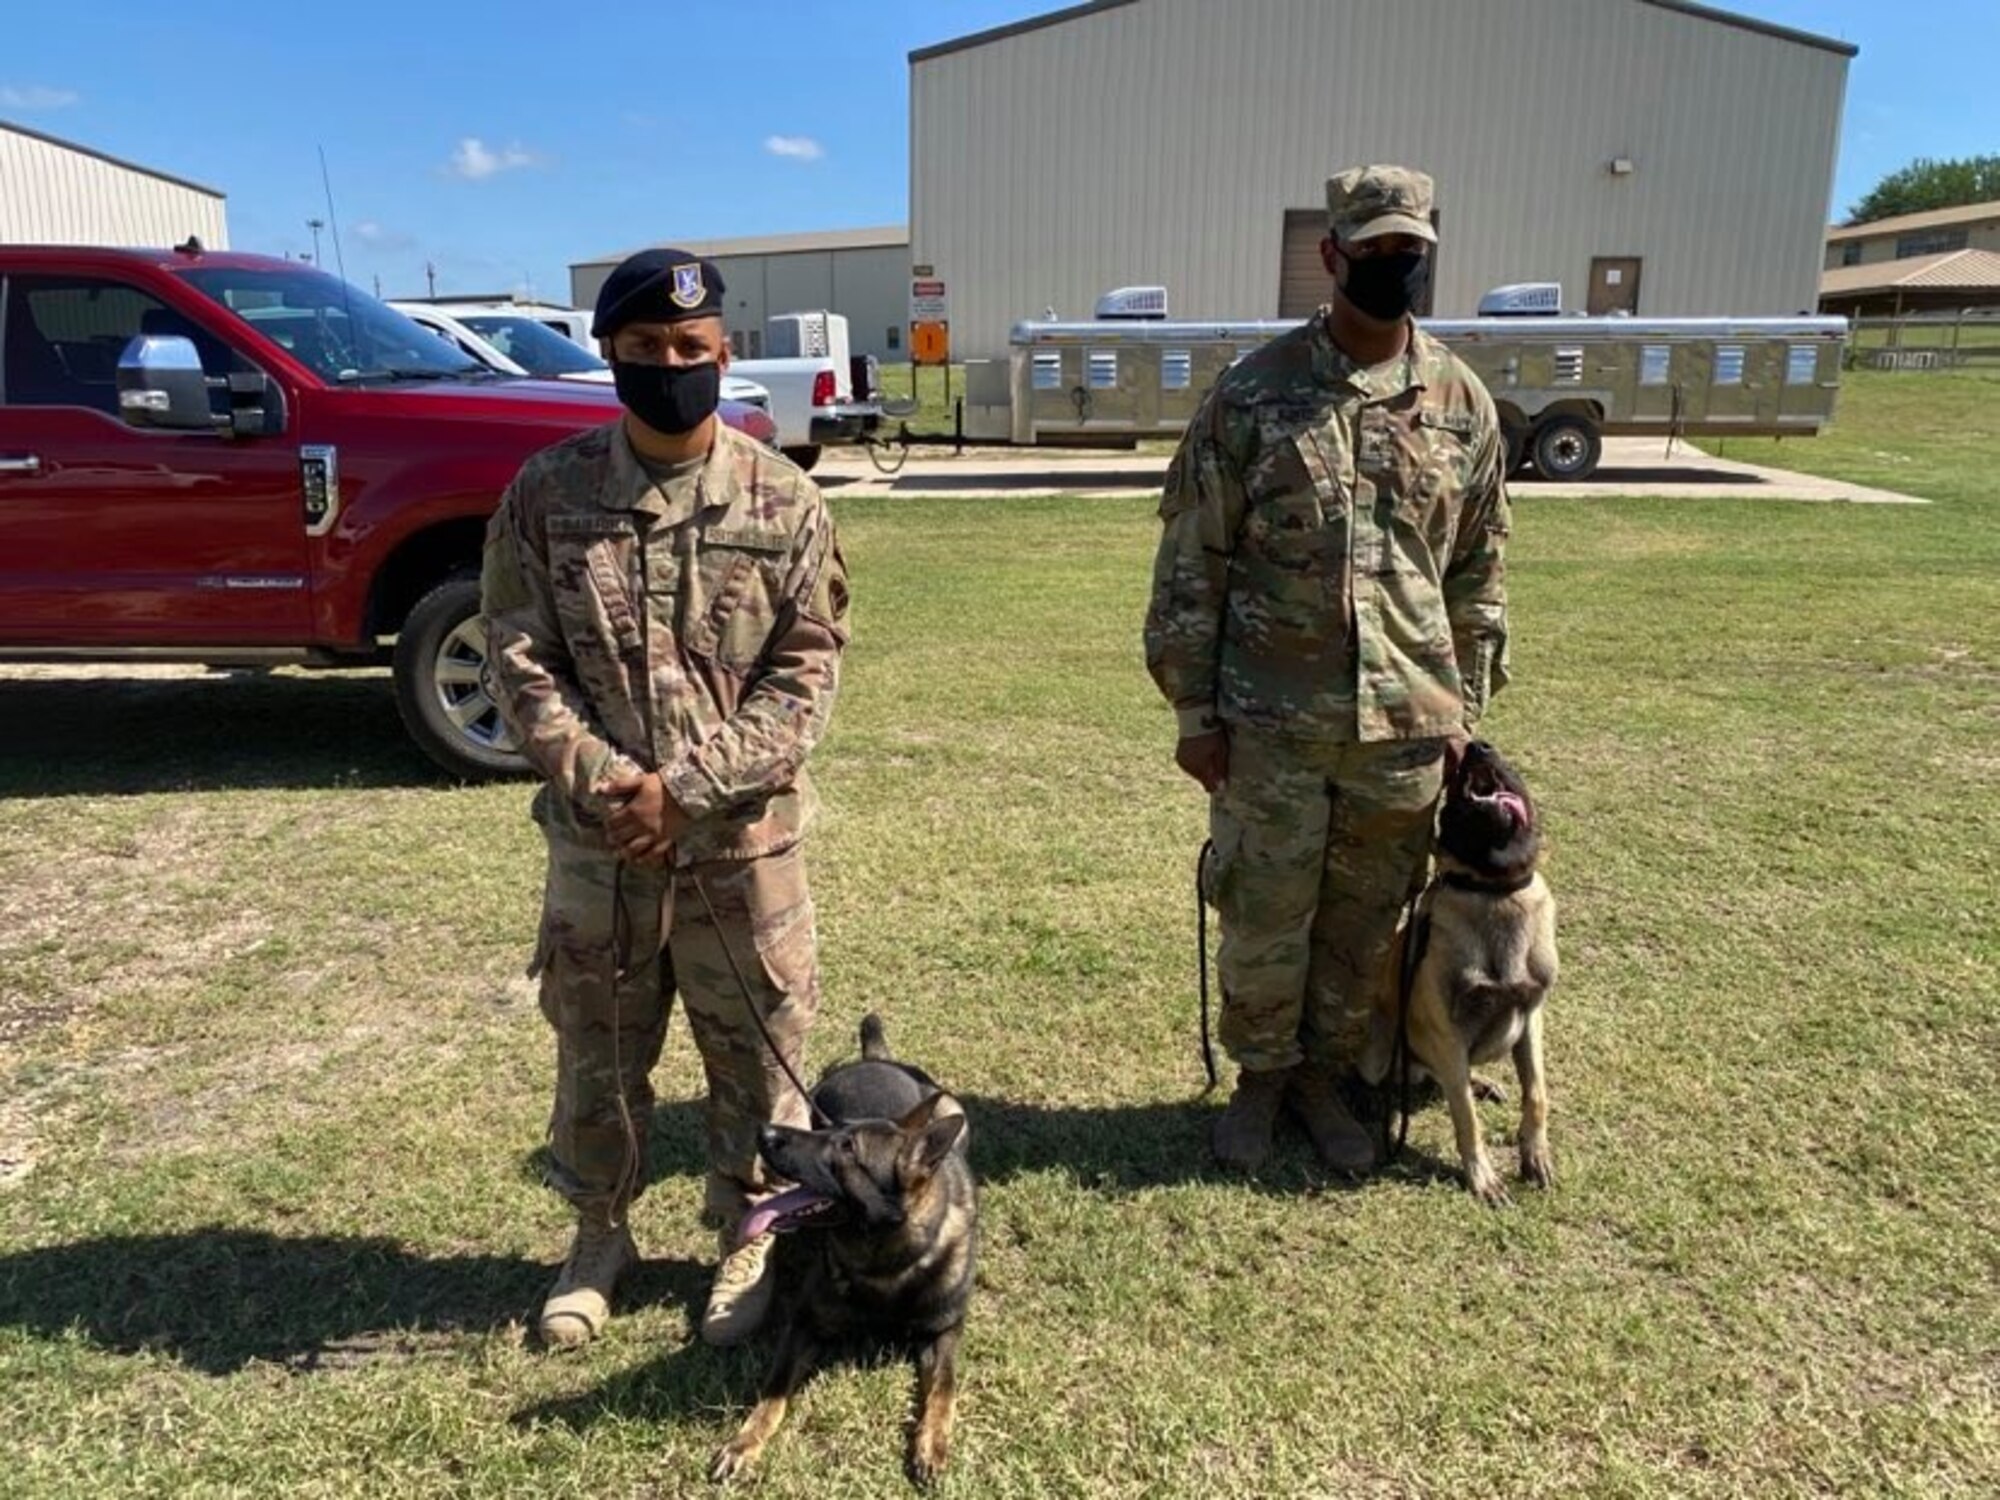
(928, 1454)
(1484, 1183)
(1538, 1164)
(734, 1458)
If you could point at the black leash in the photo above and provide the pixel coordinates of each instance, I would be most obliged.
(1416, 938)
(819, 1117)
(1201, 952)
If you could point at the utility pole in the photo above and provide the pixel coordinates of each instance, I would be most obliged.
(431, 279)
(378, 286)
(315, 225)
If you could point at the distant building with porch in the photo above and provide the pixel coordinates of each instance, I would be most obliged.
(1945, 258)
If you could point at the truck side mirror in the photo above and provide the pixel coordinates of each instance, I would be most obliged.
(161, 384)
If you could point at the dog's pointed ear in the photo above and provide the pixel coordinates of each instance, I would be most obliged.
(919, 1117)
(934, 1143)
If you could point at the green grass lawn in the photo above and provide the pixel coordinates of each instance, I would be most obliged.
(272, 1085)
(927, 386)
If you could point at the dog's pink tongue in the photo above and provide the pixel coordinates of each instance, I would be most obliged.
(763, 1215)
(1517, 809)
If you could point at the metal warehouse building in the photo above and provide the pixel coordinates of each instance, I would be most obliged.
(57, 192)
(1653, 155)
(862, 274)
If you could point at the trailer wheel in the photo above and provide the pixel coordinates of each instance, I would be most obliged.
(805, 457)
(1514, 447)
(1567, 448)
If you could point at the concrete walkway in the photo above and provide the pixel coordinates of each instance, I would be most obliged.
(1631, 466)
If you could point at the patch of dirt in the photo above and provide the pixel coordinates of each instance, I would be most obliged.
(17, 1143)
(22, 1017)
(91, 671)
(110, 914)
(363, 1349)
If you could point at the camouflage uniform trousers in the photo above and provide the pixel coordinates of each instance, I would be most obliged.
(617, 942)
(1318, 845)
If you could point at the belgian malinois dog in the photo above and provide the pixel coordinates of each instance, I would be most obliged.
(1483, 947)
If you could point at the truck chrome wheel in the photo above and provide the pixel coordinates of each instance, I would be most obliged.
(458, 674)
(444, 685)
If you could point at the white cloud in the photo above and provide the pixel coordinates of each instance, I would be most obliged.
(34, 96)
(376, 237)
(798, 147)
(475, 161)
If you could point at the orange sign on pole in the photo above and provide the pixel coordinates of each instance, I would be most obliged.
(930, 343)
(930, 321)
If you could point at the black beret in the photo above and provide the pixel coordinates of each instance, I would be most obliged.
(657, 286)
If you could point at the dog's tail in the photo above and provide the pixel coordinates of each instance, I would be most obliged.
(874, 1041)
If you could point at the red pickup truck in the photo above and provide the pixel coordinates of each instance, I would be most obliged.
(231, 459)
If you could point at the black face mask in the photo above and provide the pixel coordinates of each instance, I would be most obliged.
(1386, 287)
(669, 398)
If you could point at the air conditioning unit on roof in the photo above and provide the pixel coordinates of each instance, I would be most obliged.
(1134, 303)
(1523, 299)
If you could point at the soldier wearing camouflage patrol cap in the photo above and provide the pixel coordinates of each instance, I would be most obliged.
(666, 608)
(1328, 620)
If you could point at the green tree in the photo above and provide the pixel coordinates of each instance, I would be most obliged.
(1926, 184)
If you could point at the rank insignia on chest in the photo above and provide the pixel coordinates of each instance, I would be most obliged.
(1375, 448)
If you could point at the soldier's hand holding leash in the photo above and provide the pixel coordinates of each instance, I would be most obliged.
(645, 821)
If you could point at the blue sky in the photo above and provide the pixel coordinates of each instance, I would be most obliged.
(499, 142)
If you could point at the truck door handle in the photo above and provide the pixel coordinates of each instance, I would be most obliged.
(20, 463)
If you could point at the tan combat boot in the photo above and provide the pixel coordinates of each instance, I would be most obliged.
(1342, 1143)
(741, 1296)
(1242, 1137)
(579, 1304)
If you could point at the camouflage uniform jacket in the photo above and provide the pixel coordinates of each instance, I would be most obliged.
(1332, 565)
(699, 637)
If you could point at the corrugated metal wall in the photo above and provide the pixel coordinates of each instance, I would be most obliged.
(50, 194)
(1163, 141)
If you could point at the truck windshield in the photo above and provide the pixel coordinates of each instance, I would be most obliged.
(342, 334)
(535, 347)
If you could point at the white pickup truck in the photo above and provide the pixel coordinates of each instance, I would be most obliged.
(819, 395)
(813, 390)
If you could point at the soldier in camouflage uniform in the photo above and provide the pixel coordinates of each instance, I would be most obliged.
(1328, 620)
(666, 607)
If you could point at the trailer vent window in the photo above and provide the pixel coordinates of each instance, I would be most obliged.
(1048, 370)
(1729, 364)
(1104, 369)
(1654, 362)
(1569, 367)
(1176, 369)
(1801, 364)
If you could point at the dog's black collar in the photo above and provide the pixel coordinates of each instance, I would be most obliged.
(1458, 880)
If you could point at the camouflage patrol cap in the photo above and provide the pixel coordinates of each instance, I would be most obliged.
(1364, 203)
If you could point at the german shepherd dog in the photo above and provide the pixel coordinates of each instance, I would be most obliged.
(888, 1230)
(1484, 939)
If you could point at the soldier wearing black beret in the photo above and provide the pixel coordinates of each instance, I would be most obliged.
(665, 607)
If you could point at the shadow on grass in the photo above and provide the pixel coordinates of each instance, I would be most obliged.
(1127, 1148)
(218, 1299)
(109, 735)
